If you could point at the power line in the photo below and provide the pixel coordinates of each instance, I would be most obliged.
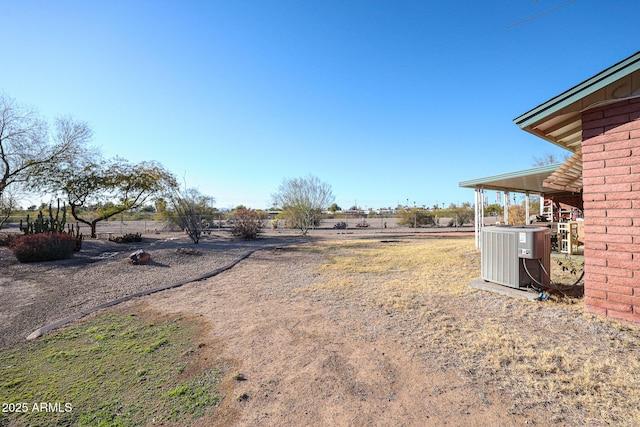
(540, 14)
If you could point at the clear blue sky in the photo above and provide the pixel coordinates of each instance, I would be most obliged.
(384, 100)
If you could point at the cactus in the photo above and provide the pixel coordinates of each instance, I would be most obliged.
(46, 225)
(75, 232)
(53, 224)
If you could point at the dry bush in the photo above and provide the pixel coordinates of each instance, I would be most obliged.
(247, 223)
(416, 217)
(517, 215)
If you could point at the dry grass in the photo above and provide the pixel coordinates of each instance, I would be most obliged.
(548, 357)
(397, 275)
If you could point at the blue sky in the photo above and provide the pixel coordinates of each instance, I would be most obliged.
(384, 100)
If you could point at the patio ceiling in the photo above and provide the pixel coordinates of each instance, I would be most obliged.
(559, 119)
(567, 177)
(524, 181)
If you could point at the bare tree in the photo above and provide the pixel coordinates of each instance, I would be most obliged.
(189, 206)
(26, 148)
(549, 159)
(22, 142)
(302, 200)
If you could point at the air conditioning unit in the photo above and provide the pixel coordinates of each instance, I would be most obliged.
(517, 257)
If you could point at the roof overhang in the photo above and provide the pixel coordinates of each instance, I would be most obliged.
(567, 177)
(559, 120)
(524, 181)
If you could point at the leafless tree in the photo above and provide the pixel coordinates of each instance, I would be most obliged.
(27, 150)
(189, 205)
(302, 200)
(549, 159)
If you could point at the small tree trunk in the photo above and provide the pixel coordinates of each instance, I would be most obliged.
(92, 225)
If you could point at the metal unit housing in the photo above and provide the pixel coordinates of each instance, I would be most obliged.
(507, 250)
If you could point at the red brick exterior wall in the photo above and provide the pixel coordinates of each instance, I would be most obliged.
(611, 179)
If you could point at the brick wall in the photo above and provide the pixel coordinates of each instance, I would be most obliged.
(611, 178)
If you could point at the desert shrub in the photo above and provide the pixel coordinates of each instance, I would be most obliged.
(517, 215)
(43, 247)
(416, 218)
(127, 238)
(247, 223)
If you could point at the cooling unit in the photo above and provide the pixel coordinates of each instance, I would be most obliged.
(516, 256)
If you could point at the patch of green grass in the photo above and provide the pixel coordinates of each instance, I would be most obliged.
(113, 370)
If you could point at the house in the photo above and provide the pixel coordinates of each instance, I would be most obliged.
(599, 121)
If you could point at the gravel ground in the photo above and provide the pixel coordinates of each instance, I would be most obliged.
(32, 295)
(36, 294)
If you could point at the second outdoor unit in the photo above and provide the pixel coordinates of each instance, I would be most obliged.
(518, 257)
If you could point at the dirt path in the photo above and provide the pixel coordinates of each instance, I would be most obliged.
(313, 360)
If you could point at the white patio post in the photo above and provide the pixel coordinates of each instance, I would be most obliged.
(476, 219)
(506, 207)
(482, 203)
(479, 215)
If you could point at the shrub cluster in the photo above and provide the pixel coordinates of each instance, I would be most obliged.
(247, 223)
(416, 218)
(127, 238)
(43, 247)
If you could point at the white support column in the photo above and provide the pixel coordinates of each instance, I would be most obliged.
(526, 208)
(482, 205)
(506, 206)
(476, 217)
(479, 215)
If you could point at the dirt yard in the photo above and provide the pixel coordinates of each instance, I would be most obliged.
(360, 330)
(319, 360)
